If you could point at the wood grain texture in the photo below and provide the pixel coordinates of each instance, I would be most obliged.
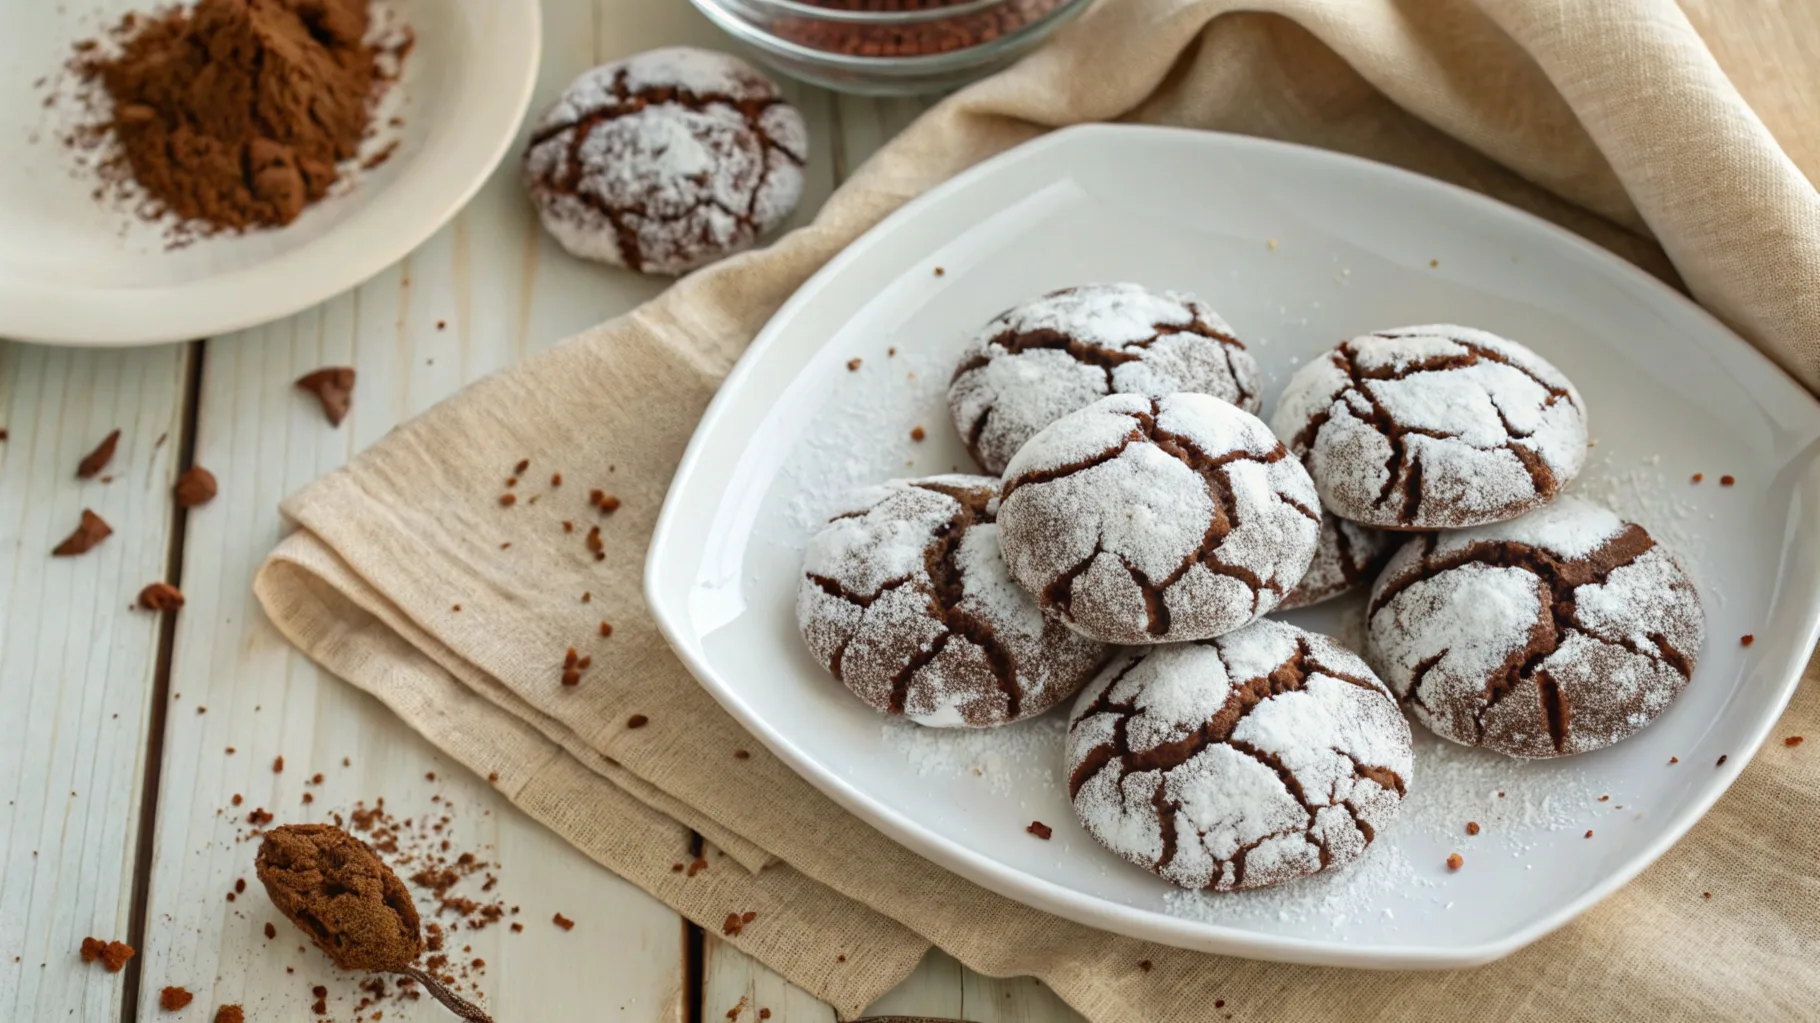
(480, 295)
(76, 659)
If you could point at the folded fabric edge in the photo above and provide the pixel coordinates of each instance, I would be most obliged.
(837, 949)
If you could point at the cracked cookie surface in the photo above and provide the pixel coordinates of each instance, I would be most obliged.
(1157, 520)
(1435, 427)
(666, 161)
(1052, 355)
(905, 599)
(1252, 759)
(1560, 632)
(1346, 555)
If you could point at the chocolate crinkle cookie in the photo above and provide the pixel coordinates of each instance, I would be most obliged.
(1346, 555)
(1061, 352)
(1437, 427)
(1561, 632)
(666, 161)
(1249, 760)
(1157, 520)
(905, 599)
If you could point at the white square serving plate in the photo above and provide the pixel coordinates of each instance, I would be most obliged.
(1298, 248)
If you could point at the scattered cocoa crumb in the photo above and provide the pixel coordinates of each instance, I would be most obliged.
(1747, 639)
(1674, 760)
(173, 998)
(586, 597)
(315, 779)
(196, 486)
(1588, 832)
(508, 500)
(1472, 827)
(334, 387)
(111, 954)
(230, 1014)
(1605, 798)
(606, 629)
(236, 799)
(841, 958)
(1793, 740)
(519, 469)
(853, 365)
(556, 479)
(505, 545)
(584, 663)
(917, 433)
(1455, 861)
(1726, 481)
(596, 545)
(230, 751)
(637, 721)
(308, 799)
(571, 677)
(96, 460)
(764, 1013)
(696, 866)
(567, 526)
(740, 754)
(493, 776)
(240, 884)
(563, 922)
(517, 927)
(277, 764)
(1706, 895)
(1722, 758)
(939, 271)
(442, 324)
(731, 926)
(271, 931)
(1146, 965)
(429, 776)
(161, 597)
(231, 896)
(608, 504)
(1699, 476)
(258, 817)
(92, 531)
(891, 353)
(1040, 830)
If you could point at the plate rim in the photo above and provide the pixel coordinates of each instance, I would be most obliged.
(672, 613)
(342, 258)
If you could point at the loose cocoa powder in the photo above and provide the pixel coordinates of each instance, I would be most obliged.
(233, 114)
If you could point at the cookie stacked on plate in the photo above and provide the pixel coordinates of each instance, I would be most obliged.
(1141, 521)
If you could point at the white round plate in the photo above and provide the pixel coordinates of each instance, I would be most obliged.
(75, 271)
(1298, 248)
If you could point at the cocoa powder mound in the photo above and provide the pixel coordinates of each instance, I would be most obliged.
(334, 888)
(233, 114)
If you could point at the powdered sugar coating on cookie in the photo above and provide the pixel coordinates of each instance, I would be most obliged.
(1561, 632)
(906, 600)
(1346, 555)
(1052, 355)
(1157, 520)
(1435, 427)
(1253, 759)
(667, 160)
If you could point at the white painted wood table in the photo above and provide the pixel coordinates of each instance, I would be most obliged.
(113, 774)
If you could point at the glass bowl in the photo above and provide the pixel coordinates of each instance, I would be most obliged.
(918, 46)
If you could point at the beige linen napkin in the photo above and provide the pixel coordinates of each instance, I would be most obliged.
(1609, 117)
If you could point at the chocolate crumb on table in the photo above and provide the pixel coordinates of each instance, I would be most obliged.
(606, 629)
(1455, 861)
(1040, 830)
(1588, 832)
(637, 721)
(334, 387)
(1674, 760)
(1747, 639)
(853, 365)
(508, 500)
(271, 931)
(111, 954)
(173, 998)
(230, 1014)
(277, 764)
(1726, 481)
(92, 530)
(696, 866)
(740, 754)
(160, 597)
(519, 469)
(1793, 740)
(1699, 476)
(1472, 827)
(1723, 757)
(1146, 965)
(563, 922)
(195, 487)
(96, 460)
(917, 433)
(939, 271)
